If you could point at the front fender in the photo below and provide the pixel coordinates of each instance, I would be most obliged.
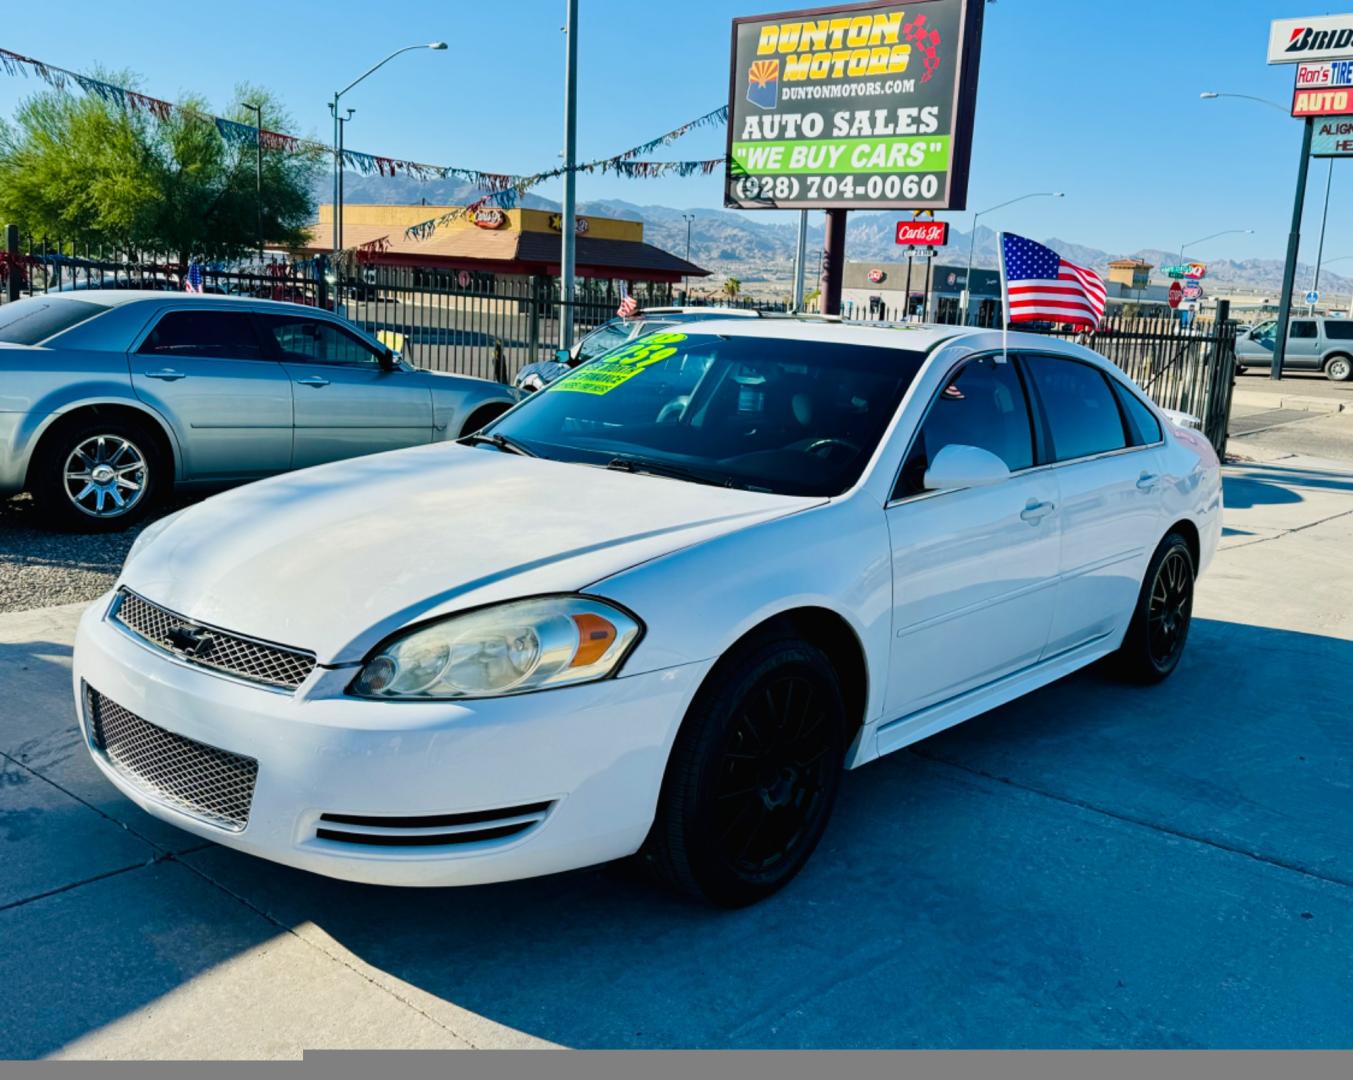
(696, 603)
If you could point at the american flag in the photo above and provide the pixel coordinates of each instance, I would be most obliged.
(192, 281)
(629, 306)
(1042, 286)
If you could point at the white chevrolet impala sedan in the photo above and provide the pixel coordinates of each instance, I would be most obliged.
(657, 608)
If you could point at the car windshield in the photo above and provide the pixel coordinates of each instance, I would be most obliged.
(768, 414)
(27, 322)
(603, 339)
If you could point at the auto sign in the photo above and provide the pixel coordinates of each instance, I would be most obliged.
(859, 105)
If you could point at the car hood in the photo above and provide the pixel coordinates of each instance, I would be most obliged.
(334, 558)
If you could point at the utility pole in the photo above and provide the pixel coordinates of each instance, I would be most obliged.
(338, 206)
(801, 253)
(567, 221)
(1293, 248)
(258, 174)
(1320, 248)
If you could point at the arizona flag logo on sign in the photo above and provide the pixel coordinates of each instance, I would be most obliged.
(763, 83)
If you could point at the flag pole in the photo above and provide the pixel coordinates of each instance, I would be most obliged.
(1005, 299)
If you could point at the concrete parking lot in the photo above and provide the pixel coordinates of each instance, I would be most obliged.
(1096, 865)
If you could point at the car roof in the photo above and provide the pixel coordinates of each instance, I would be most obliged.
(119, 297)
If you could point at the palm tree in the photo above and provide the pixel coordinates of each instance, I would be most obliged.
(732, 287)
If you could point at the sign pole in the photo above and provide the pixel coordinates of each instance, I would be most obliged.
(800, 253)
(833, 262)
(568, 221)
(1293, 247)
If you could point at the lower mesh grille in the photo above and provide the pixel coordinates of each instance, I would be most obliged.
(204, 781)
(432, 830)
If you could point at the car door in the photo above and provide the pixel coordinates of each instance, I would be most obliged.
(346, 402)
(206, 371)
(974, 571)
(1110, 481)
(1303, 345)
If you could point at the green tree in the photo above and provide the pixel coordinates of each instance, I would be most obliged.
(85, 170)
(731, 287)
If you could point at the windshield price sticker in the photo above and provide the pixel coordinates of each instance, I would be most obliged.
(606, 372)
(866, 105)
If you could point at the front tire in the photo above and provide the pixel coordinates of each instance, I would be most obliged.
(753, 775)
(98, 475)
(1160, 624)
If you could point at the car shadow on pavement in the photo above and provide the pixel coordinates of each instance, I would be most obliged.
(1094, 865)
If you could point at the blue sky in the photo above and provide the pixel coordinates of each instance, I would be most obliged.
(1097, 98)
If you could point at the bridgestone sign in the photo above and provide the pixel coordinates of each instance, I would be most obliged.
(1321, 37)
(864, 105)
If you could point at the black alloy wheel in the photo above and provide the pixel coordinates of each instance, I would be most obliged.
(753, 775)
(1159, 629)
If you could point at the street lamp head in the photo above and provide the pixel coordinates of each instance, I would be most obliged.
(1059, 194)
(1208, 95)
(439, 45)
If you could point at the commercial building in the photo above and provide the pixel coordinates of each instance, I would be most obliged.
(492, 248)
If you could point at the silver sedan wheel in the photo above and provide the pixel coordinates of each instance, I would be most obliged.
(105, 476)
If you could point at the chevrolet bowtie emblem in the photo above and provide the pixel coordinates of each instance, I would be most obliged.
(191, 640)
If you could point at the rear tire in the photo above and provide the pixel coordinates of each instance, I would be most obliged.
(97, 475)
(1159, 629)
(1339, 369)
(753, 776)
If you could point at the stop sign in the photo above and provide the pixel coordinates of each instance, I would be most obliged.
(1176, 294)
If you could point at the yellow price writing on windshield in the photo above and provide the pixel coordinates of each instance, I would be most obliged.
(604, 374)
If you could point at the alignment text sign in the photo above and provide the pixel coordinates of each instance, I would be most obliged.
(863, 105)
(1332, 137)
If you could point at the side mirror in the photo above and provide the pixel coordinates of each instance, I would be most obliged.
(562, 356)
(389, 360)
(958, 466)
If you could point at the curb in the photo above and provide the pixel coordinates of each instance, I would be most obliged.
(1257, 399)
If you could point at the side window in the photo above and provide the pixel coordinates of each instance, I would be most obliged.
(1145, 427)
(316, 341)
(603, 339)
(1082, 413)
(983, 406)
(1303, 328)
(227, 335)
(1339, 329)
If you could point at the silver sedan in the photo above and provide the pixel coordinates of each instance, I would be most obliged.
(109, 399)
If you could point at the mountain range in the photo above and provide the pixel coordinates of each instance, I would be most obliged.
(759, 251)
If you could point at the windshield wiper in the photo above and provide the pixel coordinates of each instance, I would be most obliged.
(675, 472)
(502, 442)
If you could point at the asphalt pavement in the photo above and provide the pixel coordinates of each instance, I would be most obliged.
(1094, 866)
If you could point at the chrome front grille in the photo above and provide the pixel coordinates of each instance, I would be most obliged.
(204, 781)
(210, 647)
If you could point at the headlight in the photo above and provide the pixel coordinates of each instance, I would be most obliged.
(506, 649)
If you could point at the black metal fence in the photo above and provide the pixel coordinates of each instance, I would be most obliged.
(490, 325)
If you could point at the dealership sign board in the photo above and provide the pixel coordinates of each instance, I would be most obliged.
(861, 105)
(923, 233)
(1332, 137)
(1320, 37)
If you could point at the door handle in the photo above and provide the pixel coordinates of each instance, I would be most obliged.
(1036, 511)
(166, 374)
(1147, 482)
(314, 380)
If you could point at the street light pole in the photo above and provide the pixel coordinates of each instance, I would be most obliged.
(1213, 236)
(568, 219)
(337, 147)
(1320, 248)
(972, 237)
(686, 278)
(800, 253)
(258, 175)
(342, 135)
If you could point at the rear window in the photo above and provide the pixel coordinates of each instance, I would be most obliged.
(28, 322)
(1339, 329)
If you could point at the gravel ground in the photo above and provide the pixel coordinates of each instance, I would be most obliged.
(40, 567)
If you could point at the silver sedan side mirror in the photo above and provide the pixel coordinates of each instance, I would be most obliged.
(958, 466)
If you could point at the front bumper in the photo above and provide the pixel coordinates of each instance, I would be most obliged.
(594, 753)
